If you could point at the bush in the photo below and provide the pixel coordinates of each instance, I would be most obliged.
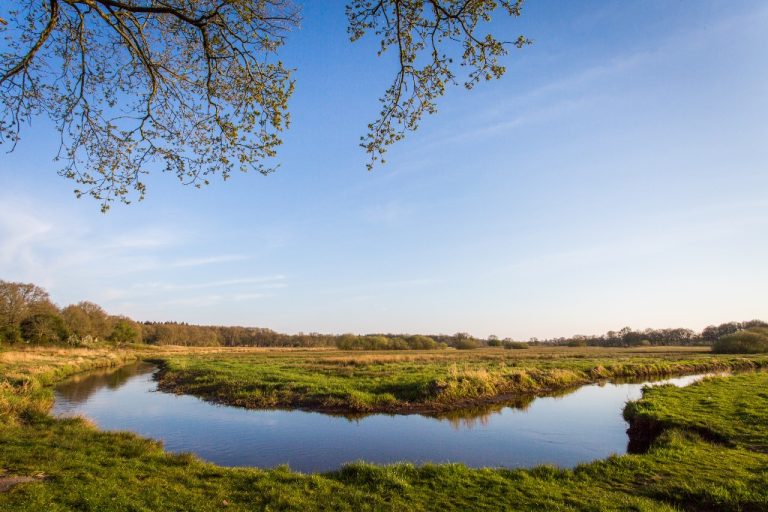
(419, 342)
(86, 341)
(751, 341)
(515, 345)
(379, 342)
(466, 344)
(124, 332)
(44, 328)
(10, 334)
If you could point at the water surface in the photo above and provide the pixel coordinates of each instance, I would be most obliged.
(581, 426)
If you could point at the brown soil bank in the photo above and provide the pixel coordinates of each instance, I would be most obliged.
(644, 431)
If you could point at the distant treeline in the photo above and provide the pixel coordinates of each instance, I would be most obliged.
(627, 337)
(28, 316)
(752, 340)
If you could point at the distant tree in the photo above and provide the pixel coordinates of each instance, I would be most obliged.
(751, 341)
(419, 342)
(43, 328)
(10, 334)
(632, 338)
(494, 341)
(464, 341)
(18, 300)
(196, 86)
(77, 320)
(86, 318)
(713, 333)
(709, 334)
(125, 330)
(751, 324)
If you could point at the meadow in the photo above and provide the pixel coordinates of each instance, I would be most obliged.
(423, 381)
(702, 457)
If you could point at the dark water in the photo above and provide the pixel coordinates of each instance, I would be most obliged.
(581, 426)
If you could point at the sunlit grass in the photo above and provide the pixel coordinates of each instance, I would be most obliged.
(337, 381)
(70, 465)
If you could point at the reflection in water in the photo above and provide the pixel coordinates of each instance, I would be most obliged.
(79, 388)
(480, 416)
(577, 426)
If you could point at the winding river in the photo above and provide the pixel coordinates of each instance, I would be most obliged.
(580, 426)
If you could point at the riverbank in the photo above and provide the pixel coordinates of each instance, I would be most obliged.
(731, 412)
(76, 467)
(434, 382)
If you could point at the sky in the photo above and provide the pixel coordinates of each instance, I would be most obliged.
(616, 176)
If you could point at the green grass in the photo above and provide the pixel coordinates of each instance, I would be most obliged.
(79, 468)
(404, 382)
(26, 375)
(733, 410)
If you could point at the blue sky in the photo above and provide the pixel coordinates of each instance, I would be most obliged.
(617, 175)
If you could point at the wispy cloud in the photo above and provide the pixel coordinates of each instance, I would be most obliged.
(265, 281)
(581, 89)
(203, 301)
(41, 245)
(367, 290)
(716, 224)
(143, 239)
(209, 260)
(388, 213)
(76, 260)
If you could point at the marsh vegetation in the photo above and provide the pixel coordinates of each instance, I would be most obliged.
(75, 466)
(430, 381)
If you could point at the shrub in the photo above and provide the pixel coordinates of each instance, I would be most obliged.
(466, 344)
(419, 342)
(124, 332)
(379, 342)
(86, 341)
(10, 334)
(751, 341)
(44, 328)
(515, 345)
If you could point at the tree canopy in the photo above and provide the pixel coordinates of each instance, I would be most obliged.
(197, 86)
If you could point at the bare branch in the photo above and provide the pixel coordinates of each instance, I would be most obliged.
(44, 35)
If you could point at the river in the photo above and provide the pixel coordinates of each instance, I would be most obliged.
(580, 426)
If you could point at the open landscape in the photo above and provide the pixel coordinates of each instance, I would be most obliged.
(423, 382)
(383, 255)
(708, 446)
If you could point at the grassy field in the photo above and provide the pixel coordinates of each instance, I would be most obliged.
(733, 413)
(410, 381)
(72, 466)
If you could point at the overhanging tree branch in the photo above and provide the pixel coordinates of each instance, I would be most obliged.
(195, 87)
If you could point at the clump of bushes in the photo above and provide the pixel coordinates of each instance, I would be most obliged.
(749, 341)
(466, 344)
(42, 328)
(380, 342)
(514, 345)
